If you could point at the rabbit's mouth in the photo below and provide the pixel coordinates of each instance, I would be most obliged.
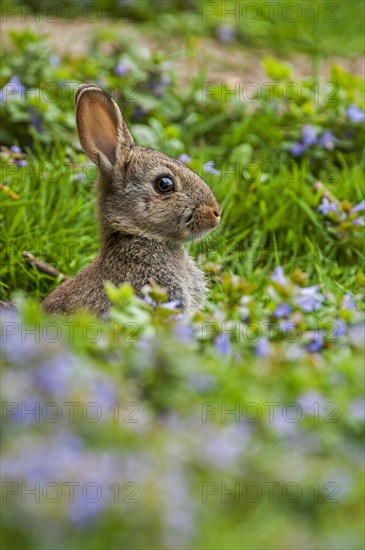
(202, 220)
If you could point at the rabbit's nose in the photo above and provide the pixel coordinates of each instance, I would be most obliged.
(217, 210)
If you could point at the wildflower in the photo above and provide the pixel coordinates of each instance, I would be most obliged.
(184, 158)
(279, 277)
(356, 335)
(307, 401)
(208, 167)
(35, 120)
(316, 344)
(54, 60)
(358, 207)
(121, 68)
(226, 33)
(15, 149)
(184, 333)
(357, 409)
(327, 206)
(309, 299)
(263, 348)
(223, 345)
(358, 221)
(173, 305)
(298, 149)
(282, 310)
(308, 135)
(348, 303)
(202, 382)
(80, 176)
(355, 114)
(327, 140)
(340, 328)
(21, 163)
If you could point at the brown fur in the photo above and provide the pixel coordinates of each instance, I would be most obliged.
(142, 231)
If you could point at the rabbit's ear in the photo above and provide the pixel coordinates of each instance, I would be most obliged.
(103, 134)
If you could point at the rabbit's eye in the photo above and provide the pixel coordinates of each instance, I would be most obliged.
(164, 185)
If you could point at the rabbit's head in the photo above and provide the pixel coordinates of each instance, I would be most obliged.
(142, 191)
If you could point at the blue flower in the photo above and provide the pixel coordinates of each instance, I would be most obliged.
(298, 149)
(359, 221)
(35, 120)
(80, 176)
(14, 82)
(348, 302)
(358, 207)
(225, 33)
(184, 333)
(282, 310)
(316, 344)
(54, 60)
(15, 149)
(172, 305)
(263, 348)
(121, 69)
(208, 167)
(356, 335)
(21, 163)
(310, 398)
(279, 277)
(327, 140)
(184, 158)
(308, 135)
(355, 114)
(340, 328)
(327, 206)
(309, 299)
(357, 409)
(223, 345)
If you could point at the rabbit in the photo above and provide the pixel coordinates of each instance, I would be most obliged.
(149, 205)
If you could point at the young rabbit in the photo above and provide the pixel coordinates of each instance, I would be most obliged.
(149, 205)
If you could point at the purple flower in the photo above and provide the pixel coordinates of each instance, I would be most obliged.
(356, 335)
(279, 277)
(184, 158)
(340, 328)
(316, 344)
(282, 310)
(263, 348)
(208, 167)
(348, 303)
(225, 33)
(357, 409)
(327, 206)
(359, 221)
(358, 207)
(201, 382)
(355, 114)
(21, 163)
(173, 305)
(308, 135)
(298, 149)
(54, 60)
(35, 120)
(184, 333)
(121, 69)
(56, 375)
(80, 176)
(15, 149)
(222, 344)
(309, 299)
(327, 140)
(310, 398)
